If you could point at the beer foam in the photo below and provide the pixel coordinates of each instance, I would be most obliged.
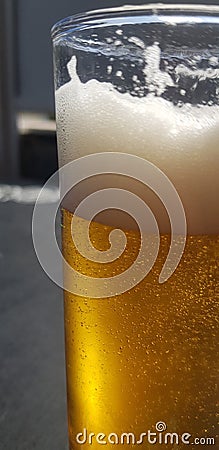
(182, 141)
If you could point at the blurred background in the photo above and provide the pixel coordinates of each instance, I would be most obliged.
(32, 373)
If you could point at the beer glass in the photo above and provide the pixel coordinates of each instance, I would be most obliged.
(137, 89)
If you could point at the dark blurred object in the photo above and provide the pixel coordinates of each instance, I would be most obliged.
(38, 156)
(8, 133)
(37, 146)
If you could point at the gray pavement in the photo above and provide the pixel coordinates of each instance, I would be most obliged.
(32, 373)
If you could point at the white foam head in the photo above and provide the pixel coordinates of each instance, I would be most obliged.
(182, 141)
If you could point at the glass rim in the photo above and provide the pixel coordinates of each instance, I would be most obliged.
(155, 11)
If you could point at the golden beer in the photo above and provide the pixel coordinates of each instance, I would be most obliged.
(148, 355)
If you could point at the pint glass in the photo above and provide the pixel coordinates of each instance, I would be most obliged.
(138, 91)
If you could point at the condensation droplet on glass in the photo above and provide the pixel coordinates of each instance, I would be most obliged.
(119, 73)
(213, 61)
(118, 42)
(109, 69)
(137, 41)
